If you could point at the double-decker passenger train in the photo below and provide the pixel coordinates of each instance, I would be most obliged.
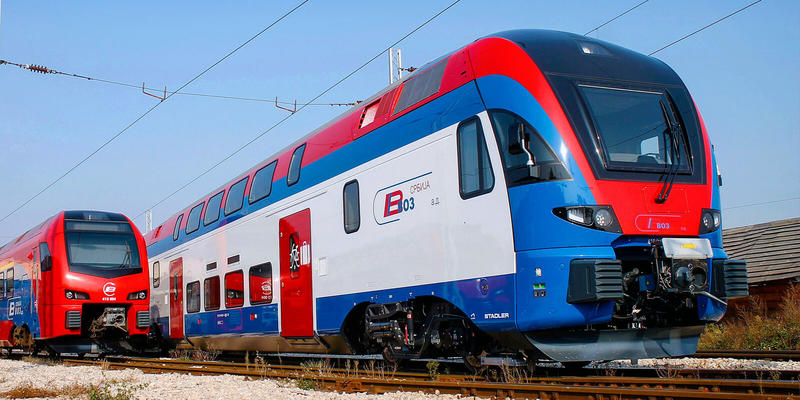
(535, 193)
(75, 283)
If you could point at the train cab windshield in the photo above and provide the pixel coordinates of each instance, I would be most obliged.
(106, 249)
(636, 130)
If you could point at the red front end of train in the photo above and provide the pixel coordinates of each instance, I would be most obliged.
(75, 283)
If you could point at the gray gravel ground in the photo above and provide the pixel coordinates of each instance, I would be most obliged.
(20, 374)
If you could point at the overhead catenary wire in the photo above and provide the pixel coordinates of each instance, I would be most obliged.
(707, 26)
(112, 138)
(44, 70)
(615, 18)
(761, 203)
(229, 156)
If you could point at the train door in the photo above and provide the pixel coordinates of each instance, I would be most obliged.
(35, 280)
(176, 298)
(295, 253)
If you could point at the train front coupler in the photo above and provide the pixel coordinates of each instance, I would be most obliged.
(112, 318)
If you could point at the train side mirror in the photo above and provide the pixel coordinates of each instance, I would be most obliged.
(516, 138)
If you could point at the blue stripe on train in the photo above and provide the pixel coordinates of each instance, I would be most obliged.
(444, 111)
(488, 301)
(261, 319)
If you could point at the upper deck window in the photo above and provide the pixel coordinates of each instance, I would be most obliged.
(193, 223)
(420, 87)
(177, 230)
(262, 182)
(212, 211)
(294, 166)
(235, 197)
(636, 130)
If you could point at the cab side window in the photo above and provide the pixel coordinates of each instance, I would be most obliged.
(45, 261)
(2, 285)
(475, 174)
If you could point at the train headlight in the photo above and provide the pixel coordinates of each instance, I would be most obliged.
(602, 218)
(75, 295)
(595, 217)
(140, 295)
(710, 220)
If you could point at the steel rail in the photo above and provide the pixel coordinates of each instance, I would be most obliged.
(544, 388)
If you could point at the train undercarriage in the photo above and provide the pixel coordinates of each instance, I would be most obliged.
(661, 301)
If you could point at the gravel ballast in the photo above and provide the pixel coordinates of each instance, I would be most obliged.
(58, 378)
(75, 382)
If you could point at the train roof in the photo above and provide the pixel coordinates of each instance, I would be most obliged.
(85, 215)
(563, 53)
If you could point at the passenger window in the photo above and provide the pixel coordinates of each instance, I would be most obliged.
(212, 211)
(262, 182)
(235, 197)
(211, 266)
(2, 285)
(211, 293)
(294, 166)
(420, 87)
(193, 297)
(45, 261)
(234, 289)
(177, 230)
(352, 216)
(474, 168)
(193, 223)
(10, 283)
(261, 284)
(156, 274)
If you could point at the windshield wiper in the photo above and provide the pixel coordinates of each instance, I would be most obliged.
(673, 128)
(126, 262)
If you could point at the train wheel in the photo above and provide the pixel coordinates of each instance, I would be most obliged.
(474, 365)
(22, 338)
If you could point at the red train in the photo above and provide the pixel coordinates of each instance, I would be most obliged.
(75, 283)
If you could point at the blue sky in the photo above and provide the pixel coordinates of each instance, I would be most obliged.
(744, 74)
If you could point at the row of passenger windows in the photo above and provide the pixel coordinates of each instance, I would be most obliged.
(259, 289)
(259, 189)
(475, 177)
(7, 284)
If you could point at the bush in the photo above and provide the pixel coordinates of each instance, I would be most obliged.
(755, 330)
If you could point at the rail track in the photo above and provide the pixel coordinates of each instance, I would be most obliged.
(378, 380)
